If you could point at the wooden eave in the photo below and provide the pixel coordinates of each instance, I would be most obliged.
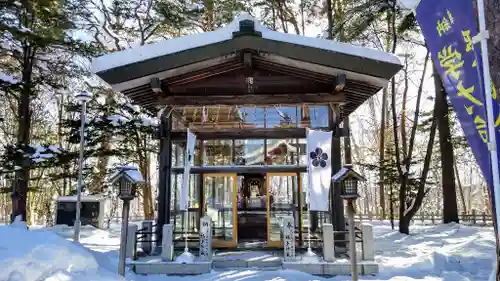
(247, 133)
(279, 84)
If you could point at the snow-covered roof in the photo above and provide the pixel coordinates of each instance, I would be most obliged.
(129, 171)
(183, 43)
(134, 67)
(344, 172)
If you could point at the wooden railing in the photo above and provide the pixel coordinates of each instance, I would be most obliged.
(473, 218)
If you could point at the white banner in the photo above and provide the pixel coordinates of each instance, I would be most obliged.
(188, 162)
(319, 149)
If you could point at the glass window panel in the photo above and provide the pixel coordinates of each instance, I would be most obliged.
(219, 202)
(281, 117)
(282, 202)
(313, 116)
(178, 151)
(218, 152)
(251, 117)
(302, 152)
(249, 152)
(281, 152)
(185, 221)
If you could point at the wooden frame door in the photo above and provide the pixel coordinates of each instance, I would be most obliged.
(282, 200)
(220, 193)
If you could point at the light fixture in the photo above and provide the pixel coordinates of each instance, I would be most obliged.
(83, 97)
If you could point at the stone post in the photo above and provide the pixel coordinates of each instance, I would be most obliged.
(146, 246)
(368, 243)
(328, 243)
(130, 245)
(167, 246)
(289, 238)
(206, 238)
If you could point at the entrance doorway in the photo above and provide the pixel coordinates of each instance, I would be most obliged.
(252, 210)
(221, 205)
(248, 209)
(283, 200)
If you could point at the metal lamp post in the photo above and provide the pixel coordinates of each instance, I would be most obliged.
(125, 180)
(82, 97)
(348, 180)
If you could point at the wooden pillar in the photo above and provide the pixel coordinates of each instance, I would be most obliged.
(336, 204)
(165, 172)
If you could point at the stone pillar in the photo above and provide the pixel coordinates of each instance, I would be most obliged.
(206, 238)
(130, 245)
(146, 245)
(368, 242)
(328, 243)
(289, 238)
(167, 246)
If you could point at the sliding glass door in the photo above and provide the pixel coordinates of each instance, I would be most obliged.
(282, 200)
(220, 197)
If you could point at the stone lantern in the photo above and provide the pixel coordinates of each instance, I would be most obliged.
(125, 180)
(348, 180)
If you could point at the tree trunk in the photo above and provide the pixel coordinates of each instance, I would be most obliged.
(450, 208)
(407, 214)
(147, 194)
(22, 176)
(97, 184)
(460, 187)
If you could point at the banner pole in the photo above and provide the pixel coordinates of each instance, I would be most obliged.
(483, 34)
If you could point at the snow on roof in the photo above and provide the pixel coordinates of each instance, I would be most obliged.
(344, 171)
(340, 174)
(130, 171)
(166, 47)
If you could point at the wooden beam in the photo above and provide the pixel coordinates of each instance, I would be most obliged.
(253, 99)
(242, 169)
(253, 133)
(155, 84)
(247, 63)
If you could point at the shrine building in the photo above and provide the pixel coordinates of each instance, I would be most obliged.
(248, 94)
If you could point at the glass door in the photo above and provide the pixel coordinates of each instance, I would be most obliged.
(282, 200)
(220, 198)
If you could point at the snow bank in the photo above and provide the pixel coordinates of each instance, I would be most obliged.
(446, 251)
(29, 255)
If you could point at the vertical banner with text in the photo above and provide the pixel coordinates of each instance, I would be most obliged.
(449, 27)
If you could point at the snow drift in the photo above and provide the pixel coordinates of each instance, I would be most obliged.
(37, 255)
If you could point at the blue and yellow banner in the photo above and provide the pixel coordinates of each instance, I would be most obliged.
(449, 27)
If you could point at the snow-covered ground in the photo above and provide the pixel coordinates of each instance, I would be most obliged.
(432, 253)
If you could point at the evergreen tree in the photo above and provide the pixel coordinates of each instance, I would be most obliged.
(38, 43)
